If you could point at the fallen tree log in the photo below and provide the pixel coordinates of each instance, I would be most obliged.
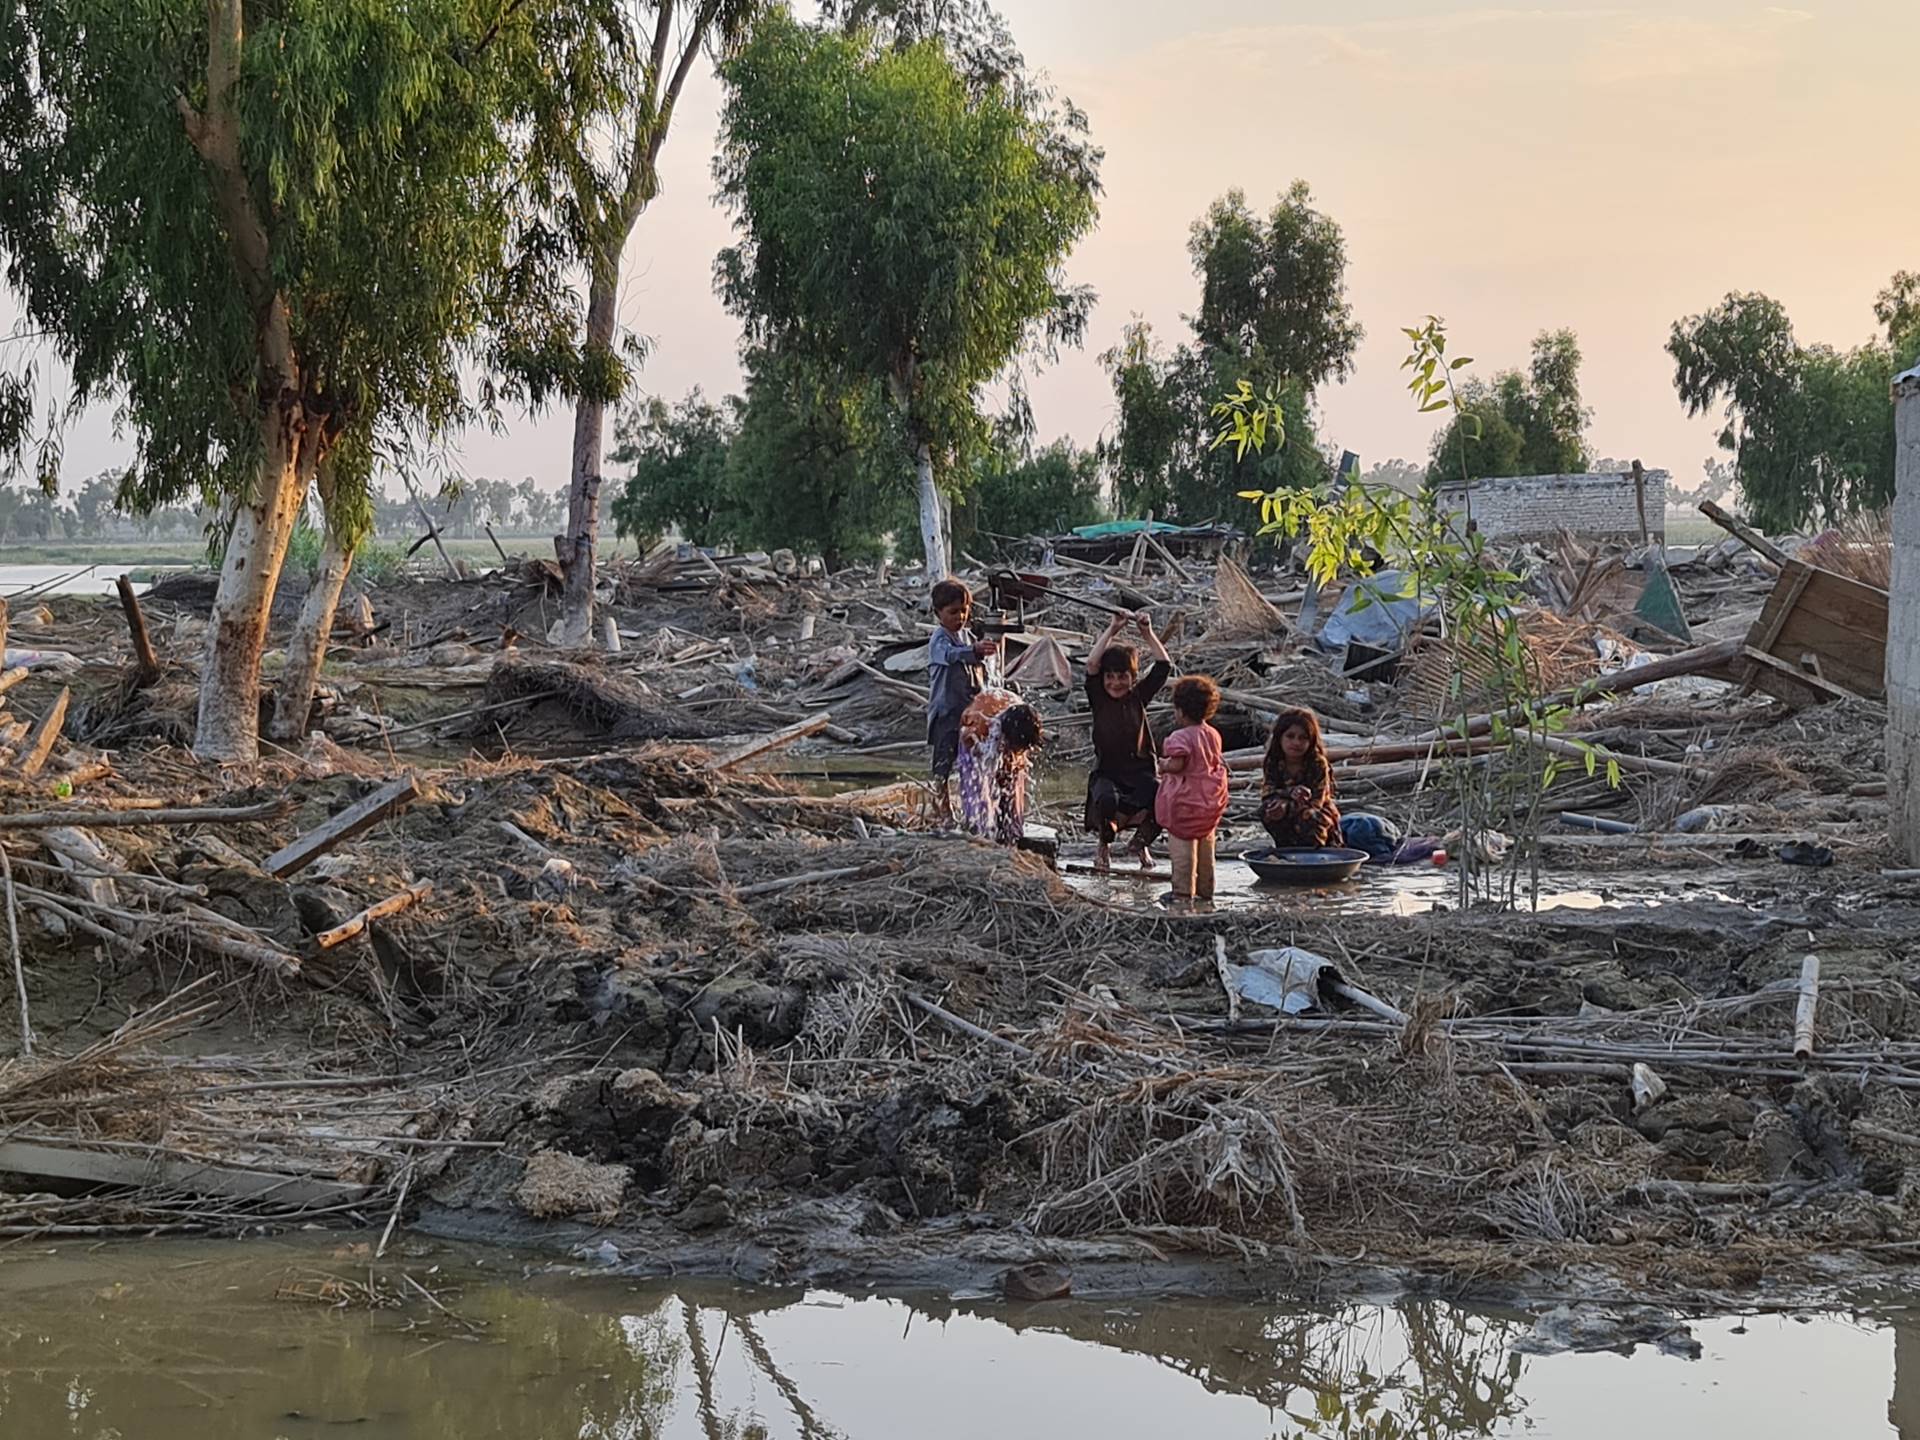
(110, 819)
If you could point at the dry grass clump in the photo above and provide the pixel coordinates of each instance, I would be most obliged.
(1751, 774)
(557, 1185)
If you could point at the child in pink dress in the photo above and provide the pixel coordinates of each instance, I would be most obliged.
(1193, 789)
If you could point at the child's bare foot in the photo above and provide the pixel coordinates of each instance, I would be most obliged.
(1102, 860)
(1145, 857)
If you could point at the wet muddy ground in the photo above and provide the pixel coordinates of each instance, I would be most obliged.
(309, 1337)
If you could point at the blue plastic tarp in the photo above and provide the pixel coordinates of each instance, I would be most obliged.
(1376, 611)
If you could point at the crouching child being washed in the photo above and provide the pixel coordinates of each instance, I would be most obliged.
(956, 673)
(1193, 790)
(998, 735)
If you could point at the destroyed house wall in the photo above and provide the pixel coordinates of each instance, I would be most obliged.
(1903, 624)
(1534, 507)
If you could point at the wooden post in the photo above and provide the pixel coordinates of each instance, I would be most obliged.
(148, 662)
(496, 543)
(433, 531)
(1640, 502)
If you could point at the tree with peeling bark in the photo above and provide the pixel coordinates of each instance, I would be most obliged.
(901, 222)
(271, 231)
(614, 180)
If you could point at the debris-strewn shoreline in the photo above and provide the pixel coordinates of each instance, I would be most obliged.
(533, 948)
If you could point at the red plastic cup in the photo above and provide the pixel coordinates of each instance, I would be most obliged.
(1439, 857)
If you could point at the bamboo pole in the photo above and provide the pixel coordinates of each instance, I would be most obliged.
(13, 942)
(1804, 1011)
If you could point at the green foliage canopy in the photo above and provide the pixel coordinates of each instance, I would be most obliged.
(1046, 493)
(1810, 427)
(1531, 424)
(898, 226)
(382, 148)
(1273, 315)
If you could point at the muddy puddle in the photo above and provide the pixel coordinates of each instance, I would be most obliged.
(193, 1341)
(1377, 890)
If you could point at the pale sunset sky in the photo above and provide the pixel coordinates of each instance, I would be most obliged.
(1604, 167)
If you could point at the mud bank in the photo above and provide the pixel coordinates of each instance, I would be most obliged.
(650, 998)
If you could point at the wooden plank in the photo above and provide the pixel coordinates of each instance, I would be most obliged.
(149, 1170)
(1816, 683)
(39, 742)
(388, 800)
(779, 739)
(1752, 539)
(1794, 579)
(1836, 621)
(1846, 656)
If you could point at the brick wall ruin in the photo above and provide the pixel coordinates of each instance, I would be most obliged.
(1534, 507)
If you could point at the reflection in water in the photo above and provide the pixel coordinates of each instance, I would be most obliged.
(177, 1342)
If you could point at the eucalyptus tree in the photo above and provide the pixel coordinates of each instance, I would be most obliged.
(615, 176)
(901, 224)
(271, 231)
(1810, 428)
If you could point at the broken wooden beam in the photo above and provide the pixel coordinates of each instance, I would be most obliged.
(766, 744)
(38, 745)
(1744, 533)
(388, 800)
(147, 664)
(379, 910)
(149, 1169)
(11, 678)
(110, 819)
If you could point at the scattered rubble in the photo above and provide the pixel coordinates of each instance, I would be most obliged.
(536, 945)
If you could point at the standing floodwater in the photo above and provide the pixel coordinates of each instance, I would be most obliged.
(186, 1341)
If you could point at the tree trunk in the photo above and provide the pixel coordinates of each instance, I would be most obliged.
(933, 529)
(577, 550)
(307, 648)
(228, 729)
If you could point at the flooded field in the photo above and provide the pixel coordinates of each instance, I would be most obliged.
(231, 1341)
(44, 580)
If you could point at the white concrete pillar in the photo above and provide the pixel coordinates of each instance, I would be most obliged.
(1903, 624)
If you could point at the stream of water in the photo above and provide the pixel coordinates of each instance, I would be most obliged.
(235, 1341)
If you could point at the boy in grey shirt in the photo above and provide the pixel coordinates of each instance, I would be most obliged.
(956, 672)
